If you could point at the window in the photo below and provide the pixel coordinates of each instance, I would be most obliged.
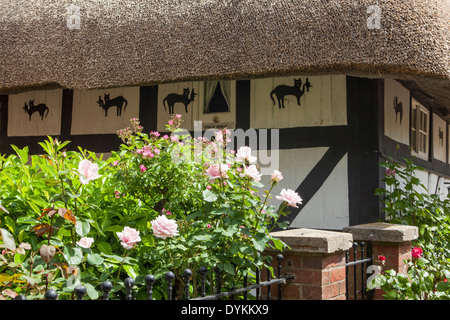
(420, 119)
(217, 96)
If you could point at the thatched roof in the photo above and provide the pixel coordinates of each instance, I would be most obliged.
(126, 42)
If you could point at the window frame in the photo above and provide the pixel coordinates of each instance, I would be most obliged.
(420, 130)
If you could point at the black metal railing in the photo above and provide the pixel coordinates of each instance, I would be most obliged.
(129, 284)
(356, 271)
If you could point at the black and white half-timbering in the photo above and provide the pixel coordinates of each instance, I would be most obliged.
(327, 134)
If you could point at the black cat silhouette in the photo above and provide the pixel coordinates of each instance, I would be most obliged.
(441, 137)
(296, 90)
(398, 108)
(184, 98)
(31, 108)
(117, 102)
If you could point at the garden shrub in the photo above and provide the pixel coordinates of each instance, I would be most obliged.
(407, 201)
(158, 204)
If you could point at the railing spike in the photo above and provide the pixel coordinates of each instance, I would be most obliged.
(150, 280)
(106, 287)
(203, 271)
(51, 295)
(169, 277)
(80, 291)
(187, 276)
(129, 284)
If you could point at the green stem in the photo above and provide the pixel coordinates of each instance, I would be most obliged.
(121, 263)
(258, 218)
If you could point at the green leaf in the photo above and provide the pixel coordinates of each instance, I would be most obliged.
(8, 240)
(278, 244)
(104, 247)
(95, 259)
(130, 271)
(90, 290)
(73, 255)
(209, 196)
(228, 267)
(82, 228)
(148, 240)
(114, 228)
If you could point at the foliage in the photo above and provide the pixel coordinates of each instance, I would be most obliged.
(71, 217)
(221, 219)
(408, 202)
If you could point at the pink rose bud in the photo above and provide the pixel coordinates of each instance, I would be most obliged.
(143, 168)
(85, 242)
(217, 170)
(276, 176)
(88, 171)
(208, 187)
(129, 237)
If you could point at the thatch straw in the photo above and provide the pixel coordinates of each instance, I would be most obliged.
(124, 42)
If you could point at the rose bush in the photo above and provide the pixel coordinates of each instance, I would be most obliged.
(407, 201)
(62, 208)
(204, 202)
(160, 203)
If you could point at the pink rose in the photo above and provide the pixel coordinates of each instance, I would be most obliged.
(252, 172)
(416, 252)
(276, 176)
(390, 172)
(129, 237)
(143, 168)
(217, 170)
(245, 153)
(164, 228)
(117, 194)
(290, 197)
(88, 171)
(85, 242)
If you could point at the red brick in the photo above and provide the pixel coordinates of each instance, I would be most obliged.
(311, 262)
(337, 274)
(290, 291)
(330, 290)
(312, 292)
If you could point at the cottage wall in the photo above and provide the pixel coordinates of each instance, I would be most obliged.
(399, 102)
(327, 144)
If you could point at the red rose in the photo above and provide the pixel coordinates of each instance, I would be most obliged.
(416, 252)
(381, 258)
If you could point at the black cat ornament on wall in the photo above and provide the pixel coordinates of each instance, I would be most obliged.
(118, 102)
(41, 108)
(184, 98)
(296, 90)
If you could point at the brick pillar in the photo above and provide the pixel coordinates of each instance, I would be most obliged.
(317, 259)
(390, 240)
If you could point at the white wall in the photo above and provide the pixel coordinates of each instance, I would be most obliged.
(324, 105)
(19, 123)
